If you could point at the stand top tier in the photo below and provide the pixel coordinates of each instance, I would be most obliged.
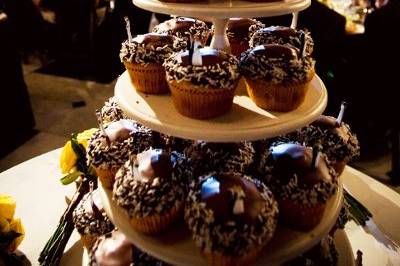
(221, 9)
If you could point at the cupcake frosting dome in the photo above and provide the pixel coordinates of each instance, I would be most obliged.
(150, 48)
(276, 64)
(183, 28)
(143, 194)
(290, 182)
(242, 28)
(101, 153)
(111, 111)
(89, 216)
(229, 235)
(281, 35)
(222, 74)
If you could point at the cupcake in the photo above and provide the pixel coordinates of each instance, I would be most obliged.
(202, 83)
(206, 157)
(185, 28)
(336, 140)
(110, 149)
(277, 76)
(239, 31)
(282, 35)
(143, 58)
(149, 189)
(114, 249)
(111, 112)
(303, 181)
(90, 219)
(231, 216)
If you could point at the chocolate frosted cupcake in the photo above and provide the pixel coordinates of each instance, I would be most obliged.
(114, 249)
(239, 31)
(111, 112)
(207, 157)
(143, 58)
(302, 179)
(149, 188)
(202, 83)
(90, 219)
(282, 35)
(107, 152)
(277, 76)
(336, 140)
(231, 216)
(185, 28)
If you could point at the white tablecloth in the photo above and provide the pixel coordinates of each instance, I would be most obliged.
(41, 201)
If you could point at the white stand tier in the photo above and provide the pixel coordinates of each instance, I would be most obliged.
(219, 11)
(176, 247)
(245, 121)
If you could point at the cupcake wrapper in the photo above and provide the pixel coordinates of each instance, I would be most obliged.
(277, 97)
(148, 78)
(339, 166)
(220, 259)
(88, 241)
(300, 217)
(156, 223)
(238, 47)
(107, 176)
(201, 103)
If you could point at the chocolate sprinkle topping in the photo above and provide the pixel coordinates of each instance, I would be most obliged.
(229, 237)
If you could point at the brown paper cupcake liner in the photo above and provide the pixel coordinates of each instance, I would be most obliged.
(278, 97)
(148, 78)
(339, 166)
(88, 241)
(300, 217)
(107, 176)
(202, 102)
(156, 223)
(220, 259)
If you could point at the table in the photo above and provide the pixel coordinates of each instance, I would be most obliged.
(41, 201)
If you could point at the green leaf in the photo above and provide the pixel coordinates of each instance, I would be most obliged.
(68, 179)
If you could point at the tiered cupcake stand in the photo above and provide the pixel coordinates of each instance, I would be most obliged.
(245, 121)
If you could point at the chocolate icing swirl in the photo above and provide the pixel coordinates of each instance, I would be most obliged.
(111, 112)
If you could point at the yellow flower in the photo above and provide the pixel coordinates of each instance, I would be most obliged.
(68, 157)
(4, 225)
(7, 206)
(16, 226)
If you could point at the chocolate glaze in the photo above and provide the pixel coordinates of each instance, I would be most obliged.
(154, 39)
(158, 163)
(240, 26)
(329, 123)
(180, 24)
(114, 249)
(120, 130)
(209, 57)
(296, 159)
(216, 192)
(276, 51)
(280, 31)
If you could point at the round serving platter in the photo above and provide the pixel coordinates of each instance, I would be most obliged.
(176, 247)
(245, 121)
(224, 9)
